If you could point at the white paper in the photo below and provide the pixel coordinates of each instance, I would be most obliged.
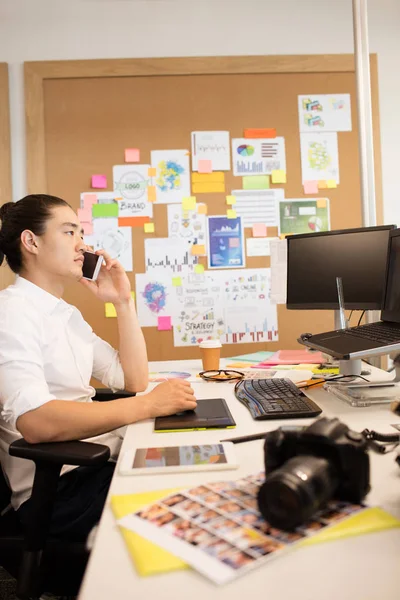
(258, 156)
(172, 179)
(211, 145)
(259, 246)
(278, 271)
(154, 298)
(170, 255)
(188, 225)
(324, 112)
(258, 206)
(319, 156)
(131, 182)
(116, 241)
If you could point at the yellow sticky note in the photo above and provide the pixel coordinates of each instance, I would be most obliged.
(278, 176)
(322, 185)
(213, 187)
(202, 209)
(198, 249)
(151, 193)
(231, 214)
(199, 268)
(231, 200)
(216, 177)
(133, 295)
(177, 281)
(331, 183)
(321, 203)
(189, 203)
(149, 227)
(151, 171)
(110, 310)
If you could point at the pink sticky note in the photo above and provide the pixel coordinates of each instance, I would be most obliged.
(204, 166)
(85, 215)
(89, 200)
(164, 323)
(87, 228)
(132, 155)
(99, 181)
(234, 242)
(259, 230)
(310, 187)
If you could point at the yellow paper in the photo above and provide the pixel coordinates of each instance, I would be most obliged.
(176, 281)
(149, 227)
(216, 177)
(278, 176)
(322, 185)
(151, 193)
(110, 310)
(231, 200)
(189, 203)
(321, 203)
(133, 295)
(199, 268)
(201, 209)
(231, 214)
(331, 183)
(208, 188)
(198, 250)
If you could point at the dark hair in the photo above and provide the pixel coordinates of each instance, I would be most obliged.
(31, 212)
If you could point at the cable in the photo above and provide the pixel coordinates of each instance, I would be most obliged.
(359, 320)
(351, 314)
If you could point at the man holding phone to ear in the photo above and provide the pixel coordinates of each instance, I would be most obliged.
(48, 354)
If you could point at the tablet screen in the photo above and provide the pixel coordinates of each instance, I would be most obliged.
(179, 456)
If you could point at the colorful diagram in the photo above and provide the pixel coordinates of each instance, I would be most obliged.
(318, 156)
(155, 297)
(156, 377)
(315, 223)
(169, 175)
(245, 150)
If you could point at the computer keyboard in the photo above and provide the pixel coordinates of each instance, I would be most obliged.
(275, 399)
(376, 332)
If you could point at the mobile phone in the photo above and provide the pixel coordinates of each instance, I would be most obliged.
(91, 265)
(179, 459)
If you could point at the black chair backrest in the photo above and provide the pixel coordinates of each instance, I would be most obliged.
(5, 492)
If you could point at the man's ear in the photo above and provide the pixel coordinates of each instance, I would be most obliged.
(28, 241)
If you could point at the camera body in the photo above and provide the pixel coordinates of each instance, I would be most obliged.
(307, 466)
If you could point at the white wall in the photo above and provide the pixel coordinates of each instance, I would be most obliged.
(73, 29)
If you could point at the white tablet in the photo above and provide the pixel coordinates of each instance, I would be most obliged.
(179, 459)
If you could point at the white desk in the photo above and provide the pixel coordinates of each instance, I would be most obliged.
(361, 568)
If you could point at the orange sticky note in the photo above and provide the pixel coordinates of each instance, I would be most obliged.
(204, 166)
(151, 193)
(132, 155)
(198, 249)
(164, 323)
(310, 187)
(259, 230)
(321, 203)
(99, 181)
(201, 209)
(148, 227)
(231, 214)
(260, 133)
(322, 184)
(231, 200)
(331, 183)
(151, 171)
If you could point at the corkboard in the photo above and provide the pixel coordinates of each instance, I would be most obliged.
(81, 115)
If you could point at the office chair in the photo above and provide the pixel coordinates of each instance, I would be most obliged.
(37, 561)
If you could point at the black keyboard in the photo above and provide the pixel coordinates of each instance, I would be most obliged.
(376, 332)
(275, 399)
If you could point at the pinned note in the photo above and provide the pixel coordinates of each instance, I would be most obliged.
(177, 281)
(231, 200)
(105, 210)
(259, 133)
(87, 228)
(321, 203)
(216, 176)
(85, 215)
(204, 166)
(278, 176)
(259, 230)
(198, 250)
(331, 183)
(322, 185)
(310, 187)
(256, 182)
(202, 209)
(151, 193)
(164, 323)
(152, 171)
(189, 203)
(110, 310)
(199, 269)
(213, 187)
(132, 155)
(89, 200)
(99, 182)
(231, 214)
(148, 227)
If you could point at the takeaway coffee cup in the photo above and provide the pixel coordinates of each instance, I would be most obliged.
(210, 351)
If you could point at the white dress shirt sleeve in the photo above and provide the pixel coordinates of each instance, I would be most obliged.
(107, 366)
(23, 385)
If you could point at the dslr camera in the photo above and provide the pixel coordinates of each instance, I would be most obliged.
(307, 466)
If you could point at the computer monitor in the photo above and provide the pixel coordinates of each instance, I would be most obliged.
(358, 256)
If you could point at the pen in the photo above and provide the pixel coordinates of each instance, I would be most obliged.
(246, 438)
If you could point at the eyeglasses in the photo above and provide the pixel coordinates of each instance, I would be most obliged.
(221, 375)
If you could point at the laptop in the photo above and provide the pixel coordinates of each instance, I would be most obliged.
(209, 414)
(372, 339)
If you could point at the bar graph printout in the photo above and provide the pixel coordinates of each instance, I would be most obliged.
(258, 156)
(171, 255)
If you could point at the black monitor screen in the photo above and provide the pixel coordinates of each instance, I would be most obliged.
(358, 256)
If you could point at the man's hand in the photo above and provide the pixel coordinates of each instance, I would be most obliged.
(112, 283)
(170, 397)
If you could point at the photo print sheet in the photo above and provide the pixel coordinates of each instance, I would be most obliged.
(302, 215)
(324, 112)
(319, 157)
(225, 242)
(172, 180)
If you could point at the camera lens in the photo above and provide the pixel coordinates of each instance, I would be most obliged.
(292, 494)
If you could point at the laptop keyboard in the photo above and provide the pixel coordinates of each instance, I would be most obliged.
(376, 332)
(275, 399)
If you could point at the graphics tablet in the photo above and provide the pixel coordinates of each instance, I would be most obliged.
(209, 414)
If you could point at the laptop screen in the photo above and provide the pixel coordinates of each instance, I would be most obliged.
(391, 311)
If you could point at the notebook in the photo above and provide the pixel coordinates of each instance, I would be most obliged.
(209, 414)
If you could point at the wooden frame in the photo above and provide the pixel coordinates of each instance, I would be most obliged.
(36, 73)
(5, 156)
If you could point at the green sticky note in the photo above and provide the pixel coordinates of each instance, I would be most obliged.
(176, 281)
(199, 268)
(256, 182)
(105, 210)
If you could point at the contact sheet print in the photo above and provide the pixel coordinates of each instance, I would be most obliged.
(217, 528)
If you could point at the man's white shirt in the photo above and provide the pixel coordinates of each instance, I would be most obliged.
(47, 352)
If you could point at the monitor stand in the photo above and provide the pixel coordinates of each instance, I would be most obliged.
(351, 366)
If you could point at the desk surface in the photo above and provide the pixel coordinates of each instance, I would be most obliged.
(364, 567)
